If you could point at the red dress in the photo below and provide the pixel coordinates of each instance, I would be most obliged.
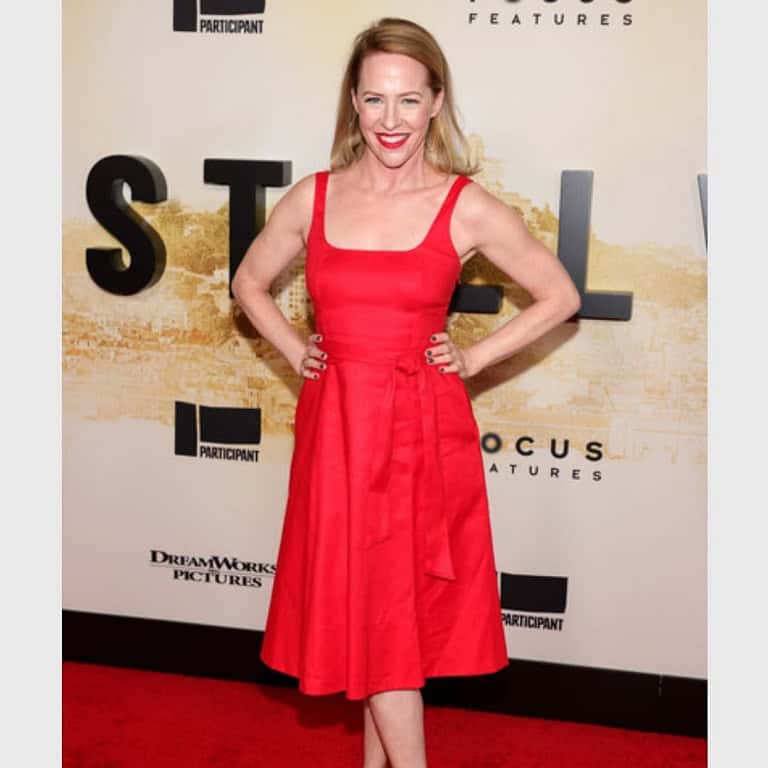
(385, 573)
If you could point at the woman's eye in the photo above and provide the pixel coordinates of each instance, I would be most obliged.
(371, 99)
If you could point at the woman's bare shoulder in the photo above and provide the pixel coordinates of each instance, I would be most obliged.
(303, 190)
(294, 209)
(476, 203)
(475, 195)
(480, 213)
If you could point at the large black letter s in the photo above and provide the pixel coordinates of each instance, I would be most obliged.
(104, 193)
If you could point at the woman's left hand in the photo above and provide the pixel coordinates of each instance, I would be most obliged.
(448, 357)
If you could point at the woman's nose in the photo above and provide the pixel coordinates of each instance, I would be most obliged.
(391, 117)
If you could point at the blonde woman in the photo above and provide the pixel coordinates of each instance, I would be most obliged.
(385, 572)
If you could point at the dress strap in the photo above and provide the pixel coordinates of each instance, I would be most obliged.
(442, 221)
(317, 227)
(439, 236)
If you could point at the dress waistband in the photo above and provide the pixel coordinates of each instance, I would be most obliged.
(370, 350)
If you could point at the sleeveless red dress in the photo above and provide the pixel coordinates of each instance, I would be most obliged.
(385, 573)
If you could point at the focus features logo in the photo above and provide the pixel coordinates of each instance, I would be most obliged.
(549, 461)
(549, 13)
(212, 569)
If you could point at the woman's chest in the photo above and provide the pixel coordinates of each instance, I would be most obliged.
(399, 223)
(421, 278)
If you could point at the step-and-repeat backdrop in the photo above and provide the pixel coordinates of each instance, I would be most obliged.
(588, 118)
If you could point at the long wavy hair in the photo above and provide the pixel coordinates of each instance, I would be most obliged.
(445, 146)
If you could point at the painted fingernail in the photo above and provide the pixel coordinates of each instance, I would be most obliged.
(433, 338)
(322, 366)
(442, 370)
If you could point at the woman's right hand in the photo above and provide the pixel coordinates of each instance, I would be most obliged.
(312, 360)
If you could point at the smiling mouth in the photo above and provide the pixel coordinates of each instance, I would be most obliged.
(392, 140)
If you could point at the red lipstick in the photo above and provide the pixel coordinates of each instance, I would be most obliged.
(391, 144)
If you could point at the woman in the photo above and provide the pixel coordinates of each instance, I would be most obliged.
(385, 573)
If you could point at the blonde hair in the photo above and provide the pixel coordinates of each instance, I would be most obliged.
(445, 145)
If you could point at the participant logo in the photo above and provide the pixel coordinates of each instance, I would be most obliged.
(211, 432)
(216, 16)
(530, 601)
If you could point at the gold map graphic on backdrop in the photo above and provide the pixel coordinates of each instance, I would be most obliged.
(639, 386)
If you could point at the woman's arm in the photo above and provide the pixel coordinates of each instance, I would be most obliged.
(281, 241)
(500, 234)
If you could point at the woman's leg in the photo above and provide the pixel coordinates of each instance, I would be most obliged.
(374, 755)
(398, 720)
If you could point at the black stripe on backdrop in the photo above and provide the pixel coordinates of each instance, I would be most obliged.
(640, 701)
(231, 7)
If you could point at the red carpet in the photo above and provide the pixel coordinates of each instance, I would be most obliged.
(123, 718)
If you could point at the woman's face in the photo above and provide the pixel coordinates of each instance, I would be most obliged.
(394, 105)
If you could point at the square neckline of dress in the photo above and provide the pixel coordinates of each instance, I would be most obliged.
(382, 250)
